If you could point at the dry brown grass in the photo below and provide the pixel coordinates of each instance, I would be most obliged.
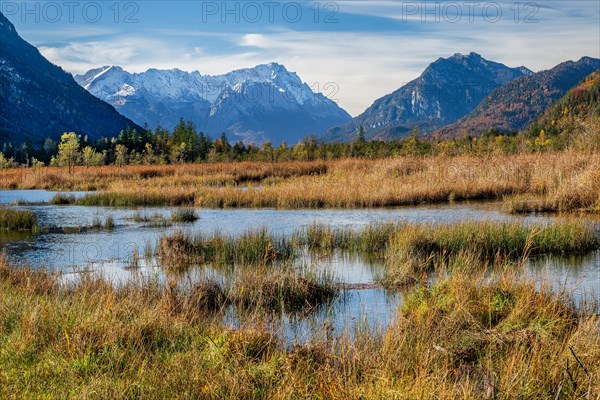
(186, 175)
(467, 337)
(563, 181)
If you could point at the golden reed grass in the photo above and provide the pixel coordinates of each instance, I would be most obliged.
(562, 181)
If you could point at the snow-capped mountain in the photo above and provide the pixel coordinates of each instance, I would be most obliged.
(257, 104)
(447, 90)
(38, 99)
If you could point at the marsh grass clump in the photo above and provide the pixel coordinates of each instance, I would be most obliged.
(109, 223)
(258, 266)
(97, 223)
(409, 250)
(183, 215)
(176, 252)
(372, 239)
(502, 338)
(156, 220)
(136, 199)
(281, 288)
(205, 296)
(257, 248)
(14, 220)
(61, 199)
(488, 239)
(509, 239)
(416, 249)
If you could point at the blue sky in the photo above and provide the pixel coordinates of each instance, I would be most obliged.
(354, 51)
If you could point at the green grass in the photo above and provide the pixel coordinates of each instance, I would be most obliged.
(412, 250)
(17, 220)
(156, 220)
(372, 239)
(417, 249)
(409, 251)
(507, 239)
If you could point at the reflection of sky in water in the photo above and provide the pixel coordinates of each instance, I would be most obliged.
(30, 196)
(109, 252)
(579, 275)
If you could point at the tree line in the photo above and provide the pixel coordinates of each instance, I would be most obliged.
(185, 145)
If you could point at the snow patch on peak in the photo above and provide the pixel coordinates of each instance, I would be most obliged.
(126, 90)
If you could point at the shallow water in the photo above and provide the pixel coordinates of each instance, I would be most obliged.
(31, 196)
(363, 305)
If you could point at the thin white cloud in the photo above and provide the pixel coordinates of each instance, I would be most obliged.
(79, 56)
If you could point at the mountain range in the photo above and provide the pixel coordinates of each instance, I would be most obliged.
(38, 99)
(446, 91)
(264, 103)
(454, 96)
(515, 105)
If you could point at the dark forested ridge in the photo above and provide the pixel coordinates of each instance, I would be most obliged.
(578, 107)
(38, 99)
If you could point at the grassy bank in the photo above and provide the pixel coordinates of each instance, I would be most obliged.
(107, 177)
(565, 181)
(467, 337)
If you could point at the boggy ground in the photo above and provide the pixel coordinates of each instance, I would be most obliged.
(482, 330)
(487, 334)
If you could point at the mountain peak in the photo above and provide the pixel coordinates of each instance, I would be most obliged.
(276, 66)
(447, 90)
(471, 55)
(516, 104)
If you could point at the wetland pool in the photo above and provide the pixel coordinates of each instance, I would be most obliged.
(363, 304)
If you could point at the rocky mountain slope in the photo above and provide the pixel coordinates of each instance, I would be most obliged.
(446, 91)
(515, 105)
